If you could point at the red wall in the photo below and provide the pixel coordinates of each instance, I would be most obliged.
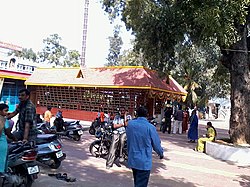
(71, 114)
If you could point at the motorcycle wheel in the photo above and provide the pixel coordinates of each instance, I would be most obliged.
(94, 149)
(77, 137)
(92, 131)
(56, 164)
(28, 181)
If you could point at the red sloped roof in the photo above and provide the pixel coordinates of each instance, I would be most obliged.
(131, 77)
(14, 75)
(111, 77)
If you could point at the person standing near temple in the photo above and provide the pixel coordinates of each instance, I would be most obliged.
(5, 131)
(168, 115)
(142, 137)
(193, 129)
(178, 118)
(26, 123)
(185, 120)
(48, 116)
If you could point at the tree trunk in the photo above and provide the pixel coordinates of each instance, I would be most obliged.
(240, 91)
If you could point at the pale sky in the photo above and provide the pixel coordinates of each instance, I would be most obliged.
(27, 22)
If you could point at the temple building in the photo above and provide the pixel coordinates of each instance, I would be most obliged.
(82, 93)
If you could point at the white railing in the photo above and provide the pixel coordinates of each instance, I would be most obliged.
(19, 68)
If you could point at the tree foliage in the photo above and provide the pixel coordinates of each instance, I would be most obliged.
(72, 59)
(25, 54)
(52, 53)
(115, 43)
(197, 70)
(132, 58)
(160, 25)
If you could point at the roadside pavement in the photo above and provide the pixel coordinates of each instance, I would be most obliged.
(181, 166)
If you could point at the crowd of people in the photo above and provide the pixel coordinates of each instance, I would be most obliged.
(141, 137)
(180, 119)
(140, 134)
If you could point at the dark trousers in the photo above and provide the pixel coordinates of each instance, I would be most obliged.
(141, 177)
(167, 124)
(114, 145)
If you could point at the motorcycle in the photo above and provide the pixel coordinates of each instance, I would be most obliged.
(71, 130)
(22, 168)
(101, 147)
(97, 124)
(49, 150)
(43, 129)
(153, 121)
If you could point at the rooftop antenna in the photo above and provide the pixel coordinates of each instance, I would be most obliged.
(84, 37)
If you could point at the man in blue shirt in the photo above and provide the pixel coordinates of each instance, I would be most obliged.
(141, 139)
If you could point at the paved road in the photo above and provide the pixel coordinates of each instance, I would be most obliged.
(181, 167)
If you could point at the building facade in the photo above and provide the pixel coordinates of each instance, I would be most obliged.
(13, 73)
(81, 94)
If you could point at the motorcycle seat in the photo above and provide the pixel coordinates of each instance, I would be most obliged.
(67, 123)
(17, 147)
(12, 147)
(72, 128)
(45, 138)
(61, 133)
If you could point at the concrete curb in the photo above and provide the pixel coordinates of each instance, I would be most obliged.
(237, 155)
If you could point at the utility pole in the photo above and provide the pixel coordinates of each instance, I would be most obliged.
(84, 37)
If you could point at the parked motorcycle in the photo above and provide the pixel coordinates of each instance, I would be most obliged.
(43, 129)
(153, 121)
(100, 147)
(97, 124)
(22, 168)
(69, 129)
(49, 150)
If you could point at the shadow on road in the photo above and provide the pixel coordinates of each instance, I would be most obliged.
(244, 180)
(91, 172)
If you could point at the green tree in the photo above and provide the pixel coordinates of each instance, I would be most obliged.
(159, 25)
(115, 43)
(53, 52)
(196, 69)
(72, 59)
(25, 54)
(132, 58)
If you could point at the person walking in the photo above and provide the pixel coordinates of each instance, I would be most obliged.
(193, 129)
(26, 123)
(142, 137)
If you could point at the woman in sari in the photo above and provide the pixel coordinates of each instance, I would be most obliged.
(210, 136)
(4, 130)
(185, 121)
(193, 129)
